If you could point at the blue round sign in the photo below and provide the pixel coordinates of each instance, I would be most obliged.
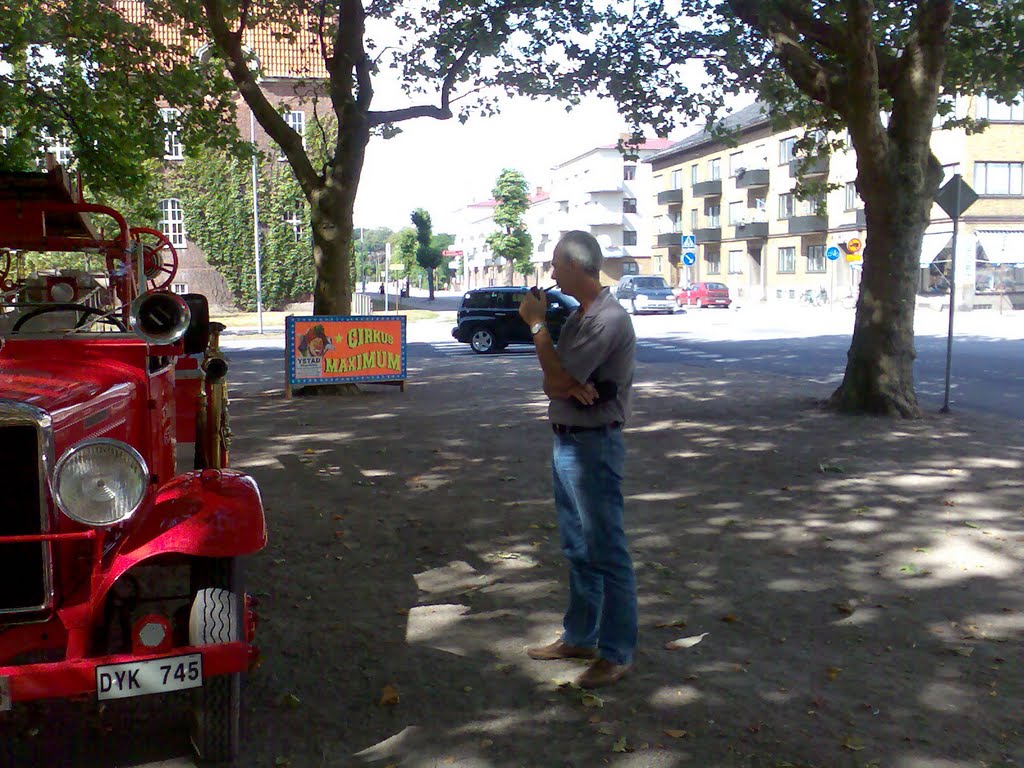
(689, 258)
(832, 253)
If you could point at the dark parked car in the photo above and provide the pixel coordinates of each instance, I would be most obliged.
(645, 293)
(489, 317)
(705, 295)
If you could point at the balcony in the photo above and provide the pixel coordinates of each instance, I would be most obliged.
(816, 166)
(670, 197)
(594, 215)
(708, 235)
(752, 230)
(598, 186)
(752, 177)
(668, 239)
(708, 188)
(800, 225)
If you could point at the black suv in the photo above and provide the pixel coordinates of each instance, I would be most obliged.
(489, 317)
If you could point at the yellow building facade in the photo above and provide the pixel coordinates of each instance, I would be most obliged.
(730, 214)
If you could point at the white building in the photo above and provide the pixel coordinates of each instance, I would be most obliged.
(600, 191)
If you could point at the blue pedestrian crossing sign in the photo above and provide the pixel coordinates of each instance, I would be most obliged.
(832, 253)
(689, 258)
(689, 243)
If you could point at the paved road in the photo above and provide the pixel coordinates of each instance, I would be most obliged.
(805, 343)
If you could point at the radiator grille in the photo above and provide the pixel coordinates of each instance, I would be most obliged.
(23, 567)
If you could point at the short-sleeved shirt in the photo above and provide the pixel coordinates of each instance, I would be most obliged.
(597, 346)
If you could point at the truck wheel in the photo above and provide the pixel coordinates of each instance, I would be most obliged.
(216, 617)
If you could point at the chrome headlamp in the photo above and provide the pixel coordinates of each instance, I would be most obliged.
(100, 482)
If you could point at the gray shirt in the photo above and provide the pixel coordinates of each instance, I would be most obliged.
(597, 346)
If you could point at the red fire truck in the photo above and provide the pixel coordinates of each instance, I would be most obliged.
(106, 378)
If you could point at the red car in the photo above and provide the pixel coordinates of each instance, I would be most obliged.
(704, 295)
(103, 374)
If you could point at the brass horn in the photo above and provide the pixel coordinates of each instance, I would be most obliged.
(160, 317)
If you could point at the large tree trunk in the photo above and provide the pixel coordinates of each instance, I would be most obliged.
(897, 203)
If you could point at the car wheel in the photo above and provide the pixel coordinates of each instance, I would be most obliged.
(632, 306)
(216, 617)
(482, 340)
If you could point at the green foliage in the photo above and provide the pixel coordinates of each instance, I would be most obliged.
(512, 242)
(403, 250)
(427, 255)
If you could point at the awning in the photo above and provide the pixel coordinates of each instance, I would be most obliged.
(1002, 246)
(934, 243)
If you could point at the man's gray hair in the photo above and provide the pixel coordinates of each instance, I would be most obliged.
(582, 248)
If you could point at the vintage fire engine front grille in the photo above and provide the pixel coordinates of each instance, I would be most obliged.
(24, 567)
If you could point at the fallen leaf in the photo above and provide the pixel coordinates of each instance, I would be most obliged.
(860, 511)
(685, 642)
(678, 624)
(592, 700)
(594, 719)
(730, 618)
(830, 467)
(970, 524)
(833, 672)
(289, 700)
(282, 762)
(389, 695)
(675, 734)
(852, 743)
(308, 451)
(606, 729)
(620, 745)
(846, 607)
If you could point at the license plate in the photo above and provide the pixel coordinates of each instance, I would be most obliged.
(5, 694)
(139, 678)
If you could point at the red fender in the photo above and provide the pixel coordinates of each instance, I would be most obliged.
(206, 513)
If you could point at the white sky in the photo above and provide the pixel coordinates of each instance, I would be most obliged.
(442, 165)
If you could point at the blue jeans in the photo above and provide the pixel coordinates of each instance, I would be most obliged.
(602, 611)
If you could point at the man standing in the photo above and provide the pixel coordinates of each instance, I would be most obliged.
(588, 379)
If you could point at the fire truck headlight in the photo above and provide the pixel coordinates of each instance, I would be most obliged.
(100, 482)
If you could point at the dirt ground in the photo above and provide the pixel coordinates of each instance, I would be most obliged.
(847, 592)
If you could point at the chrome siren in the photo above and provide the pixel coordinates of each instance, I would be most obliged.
(160, 317)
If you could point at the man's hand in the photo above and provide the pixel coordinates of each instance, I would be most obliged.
(533, 308)
(585, 393)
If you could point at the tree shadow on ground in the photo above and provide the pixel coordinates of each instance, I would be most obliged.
(858, 580)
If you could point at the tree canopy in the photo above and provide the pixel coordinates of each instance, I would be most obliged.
(512, 242)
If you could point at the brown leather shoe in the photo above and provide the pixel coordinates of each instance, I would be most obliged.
(601, 673)
(560, 650)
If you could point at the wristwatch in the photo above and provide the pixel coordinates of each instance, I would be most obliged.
(536, 328)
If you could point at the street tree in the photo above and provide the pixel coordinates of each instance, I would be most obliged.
(427, 256)
(881, 72)
(442, 241)
(403, 249)
(511, 241)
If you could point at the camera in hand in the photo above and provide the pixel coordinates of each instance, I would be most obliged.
(606, 390)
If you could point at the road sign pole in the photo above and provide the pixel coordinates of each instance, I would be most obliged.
(952, 306)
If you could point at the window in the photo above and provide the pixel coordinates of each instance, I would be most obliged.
(735, 262)
(998, 178)
(62, 152)
(293, 219)
(852, 199)
(990, 109)
(693, 174)
(787, 260)
(786, 205)
(812, 207)
(815, 258)
(736, 213)
(629, 205)
(179, 288)
(657, 266)
(629, 237)
(714, 169)
(714, 262)
(712, 214)
(172, 222)
(787, 150)
(948, 171)
(693, 219)
(297, 122)
(172, 144)
(630, 268)
(628, 172)
(677, 179)
(735, 162)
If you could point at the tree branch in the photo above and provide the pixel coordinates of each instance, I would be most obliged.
(230, 45)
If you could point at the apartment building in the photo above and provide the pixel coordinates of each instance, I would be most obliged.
(737, 206)
(600, 191)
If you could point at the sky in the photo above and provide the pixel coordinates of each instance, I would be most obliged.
(442, 165)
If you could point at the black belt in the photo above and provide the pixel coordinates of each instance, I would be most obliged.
(569, 429)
